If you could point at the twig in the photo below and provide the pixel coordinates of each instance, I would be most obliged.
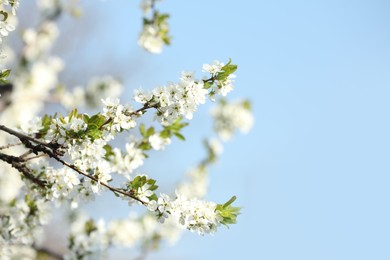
(44, 148)
(26, 154)
(22, 136)
(10, 145)
(113, 189)
(18, 164)
(34, 157)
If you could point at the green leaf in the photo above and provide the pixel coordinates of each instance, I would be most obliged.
(208, 84)
(108, 150)
(229, 202)
(97, 120)
(93, 133)
(5, 73)
(166, 133)
(73, 113)
(229, 68)
(180, 136)
(226, 71)
(149, 132)
(145, 146)
(46, 122)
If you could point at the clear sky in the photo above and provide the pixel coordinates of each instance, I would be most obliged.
(313, 175)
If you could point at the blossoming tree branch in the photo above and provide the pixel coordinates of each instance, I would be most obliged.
(50, 159)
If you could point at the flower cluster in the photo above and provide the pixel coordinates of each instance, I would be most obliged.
(222, 76)
(194, 214)
(37, 42)
(7, 8)
(155, 31)
(22, 222)
(230, 117)
(176, 100)
(87, 238)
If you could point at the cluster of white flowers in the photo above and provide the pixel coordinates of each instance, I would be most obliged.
(86, 154)
(223, 86)
(64, 129)
(150, 39)
(30, 89)
(197, 215)
(87, 238)
(155, 31)
(122, 118)
(126, 163)
(5, 29)
(157, 142)
(230, 117)
(22, 223)
(176, 100)
(5, 26)
(64, 184)
(39, 41)
(194, 214)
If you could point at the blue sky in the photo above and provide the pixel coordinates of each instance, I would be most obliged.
(313, 175)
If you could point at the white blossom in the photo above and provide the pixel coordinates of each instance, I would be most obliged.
(230, 117)
(5, 29)
(150, 39)
(157, 142)
(213, 68)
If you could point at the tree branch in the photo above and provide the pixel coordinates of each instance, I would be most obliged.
(10, 145)
(18, 164)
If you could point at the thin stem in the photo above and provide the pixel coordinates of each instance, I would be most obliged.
(133, 113)
(26, 154)
(10, 145)
(113, 189)
(18, 164)
(34, 157)
(22, 136)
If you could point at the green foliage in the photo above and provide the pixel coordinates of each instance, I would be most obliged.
(226, 70)
(89, 226)
(228, 213)
(146, 133)
(94, 125)
(108, 150)
(46, 122)
(140, 181)
(208, 84)
(174, 129)
(4, 75)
